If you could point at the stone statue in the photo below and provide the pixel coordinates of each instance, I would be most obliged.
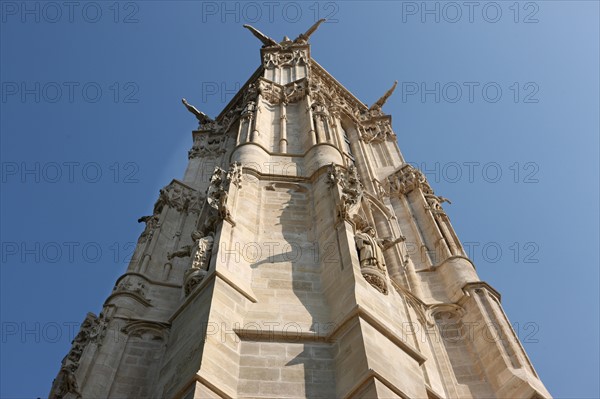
(202, 252)
(372, 261)
(65, 383)
(201, 260)
(217, 193)
(434, 203)
(303, 37)
(151, 224)
(351, 190)
(266, 40)
(234, 174)
(370, 249)
(182, 252)
(379, 103)
(203, 119)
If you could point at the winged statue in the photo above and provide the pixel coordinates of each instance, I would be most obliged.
(303, 37)
(379, 103)
(203, 119)
(267, 41)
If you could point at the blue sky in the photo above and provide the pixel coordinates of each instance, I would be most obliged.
(497, 102)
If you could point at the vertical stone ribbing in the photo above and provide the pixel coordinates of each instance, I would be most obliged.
(298, 257)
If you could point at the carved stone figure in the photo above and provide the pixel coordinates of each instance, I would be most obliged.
(303, 37)
(266, 40)
(351, 190)
(379, 103)
(151, 225)
(406, 180)
(203, 119)
(176, 196)
(251, 92)
(65, 383)
(202, 252)
(124, 285)
(370, 249)
(138, 288)
(217, 194)
(201, 260)
(377, 131)
(434, 203)
(182, 252)
(234, 174)
(372, 262)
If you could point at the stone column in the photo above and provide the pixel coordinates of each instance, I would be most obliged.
(283, 128)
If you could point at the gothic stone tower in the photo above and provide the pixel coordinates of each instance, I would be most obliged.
(299, 256)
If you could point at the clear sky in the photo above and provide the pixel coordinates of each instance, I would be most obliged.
(497, 102)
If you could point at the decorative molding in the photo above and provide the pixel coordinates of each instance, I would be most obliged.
(217, 194)
(405, 180)
(207, 145)
(445, 313)
(278, 58)
(179, 196)
(92, 330)
(132, 285)
(377, 129)
(139, 328)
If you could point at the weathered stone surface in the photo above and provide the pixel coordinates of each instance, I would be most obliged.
(300, 256)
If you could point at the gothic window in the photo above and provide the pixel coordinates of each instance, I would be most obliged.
(346, 146)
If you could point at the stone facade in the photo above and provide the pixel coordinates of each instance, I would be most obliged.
(300, 256)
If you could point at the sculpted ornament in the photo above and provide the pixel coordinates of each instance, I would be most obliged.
(286, 43)
(217, 192)
(200, 262)
(434, 203)
(207, 146)
(266, 40)
(151, 225)
(372, 262)
(92, 330)
(177, 196)
(406, 180)
(203, 119)
(135, 287)
(375, 109)
(303, 37)
(251, 93)
(294, 91)
(351, 190)
(271, 92)
(234, 174)
(377, 131)
(65, 383)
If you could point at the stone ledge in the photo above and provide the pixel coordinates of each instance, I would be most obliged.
(360, 312)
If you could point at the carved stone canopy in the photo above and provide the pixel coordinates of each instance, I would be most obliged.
(179, 196)
(405, 180)
(207, 145)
